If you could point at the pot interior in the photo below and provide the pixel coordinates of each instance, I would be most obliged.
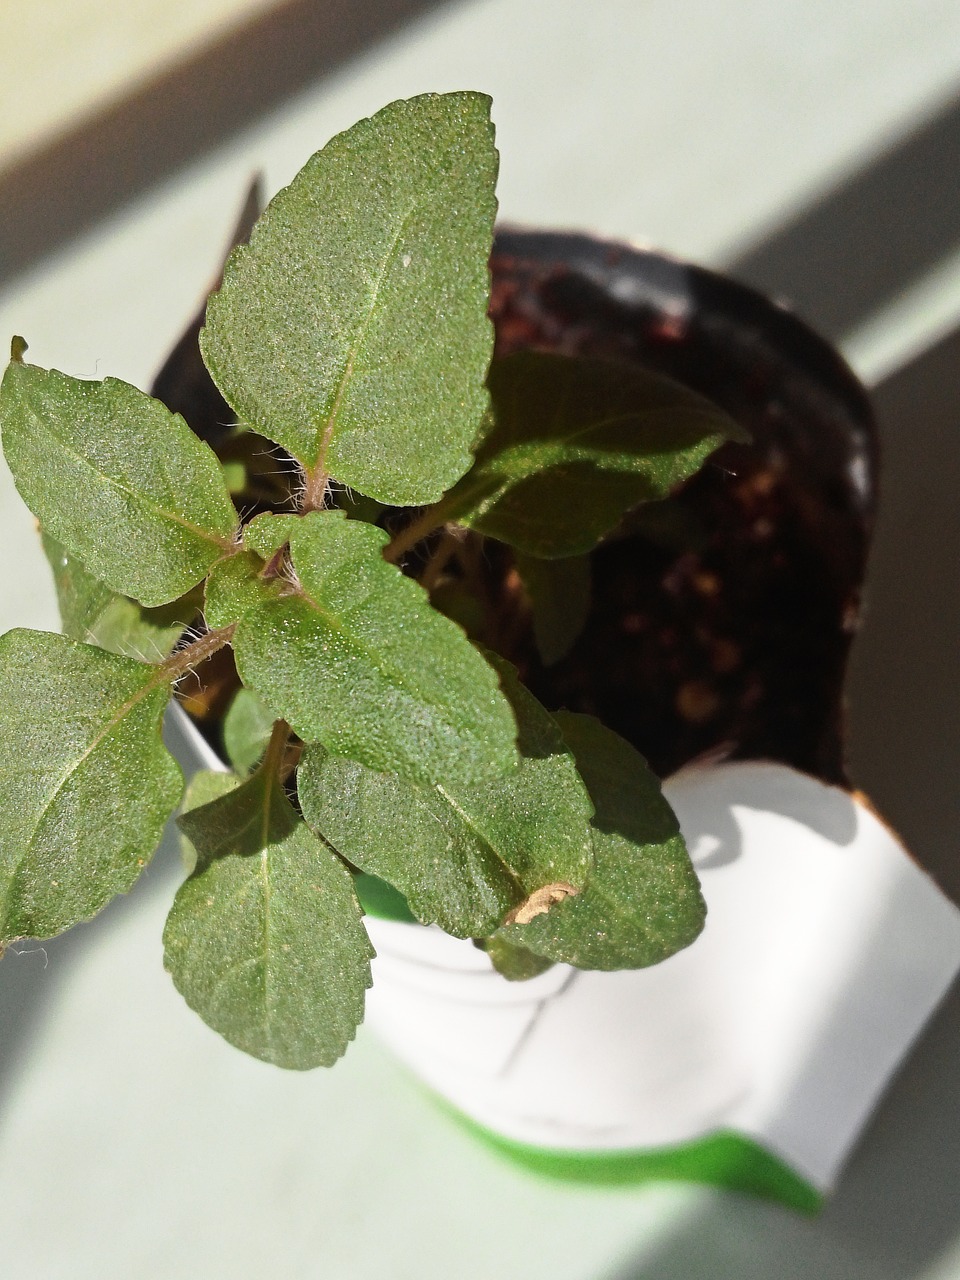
(722, 619)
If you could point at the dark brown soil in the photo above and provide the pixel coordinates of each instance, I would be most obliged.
(724, 626)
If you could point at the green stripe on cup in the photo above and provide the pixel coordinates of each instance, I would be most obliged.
(723, 1159)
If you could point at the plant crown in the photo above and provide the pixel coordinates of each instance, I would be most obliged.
(377, 748)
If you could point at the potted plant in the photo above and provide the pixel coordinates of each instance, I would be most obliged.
(344, 589)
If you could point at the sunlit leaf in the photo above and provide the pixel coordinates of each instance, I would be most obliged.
(353, 328)
(246, 730)
(265, 940)
(234, 587)
(86, 783)
(116, 478)
(463, 856)
(359, 661)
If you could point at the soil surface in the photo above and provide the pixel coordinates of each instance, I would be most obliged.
(722, 623)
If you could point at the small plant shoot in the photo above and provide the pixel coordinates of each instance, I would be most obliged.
(316, 577)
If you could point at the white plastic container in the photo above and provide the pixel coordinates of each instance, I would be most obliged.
(753, 1058)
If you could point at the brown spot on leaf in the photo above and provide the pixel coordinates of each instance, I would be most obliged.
(540, 901)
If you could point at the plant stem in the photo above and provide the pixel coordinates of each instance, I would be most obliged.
(420, 527)
(439, 560)
(314, 490)
(198, 651)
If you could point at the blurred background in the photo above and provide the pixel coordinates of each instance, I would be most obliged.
(810, 149)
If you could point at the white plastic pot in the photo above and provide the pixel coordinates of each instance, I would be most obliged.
(752, 1059)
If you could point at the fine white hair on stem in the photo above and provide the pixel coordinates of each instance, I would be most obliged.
(190, 635)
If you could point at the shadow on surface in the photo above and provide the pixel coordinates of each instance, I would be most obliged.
(894, 1213)
(897, 1207)
(61, 190)
(903, 686)
(858, 245)
(33, 973)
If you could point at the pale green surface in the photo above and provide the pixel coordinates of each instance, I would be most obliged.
(246, 730)
(91, 612)
(123, 483)
(642, 901)
(359, 661)
(204, 787)
(696, 127)
(266, 533)
(463, 855)
(265, 939)
(86, 785)
(353, 328)
(234, 587)
(575, 444)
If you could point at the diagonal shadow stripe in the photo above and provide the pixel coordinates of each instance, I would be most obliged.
(856, 247)
(904, 695)
(59, 191)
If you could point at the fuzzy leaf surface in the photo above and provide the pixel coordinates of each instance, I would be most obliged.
(359, 661)
(265, 940)
(204, 787)
(352, 329)
(91, 612)
(234, 587)
(86, 783)
(575, 444)
(267, 533)
(116, 478)
(642, 902)
(246, 730)
(462, 855)
(559, 593)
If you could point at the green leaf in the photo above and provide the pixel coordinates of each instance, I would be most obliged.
(464, 856)
(382, 900)
(575, 444)
(642, 902)
(204, 787)
(265, 940)
(559, 593)
(267, 533)
(234, 477)
(86, 784)
(234, 587)
(91, 612)
(359, 661)
(353, 328)
(246, 730)
(517, 964)
(116, 478)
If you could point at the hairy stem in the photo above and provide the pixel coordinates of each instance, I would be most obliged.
(198, 651)
(314, 495)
